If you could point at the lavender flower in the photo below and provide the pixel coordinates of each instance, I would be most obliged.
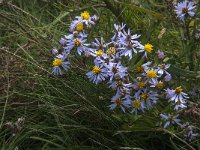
(185, 8)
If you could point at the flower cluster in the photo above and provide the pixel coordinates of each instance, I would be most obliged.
(76, 40)
(135, 90)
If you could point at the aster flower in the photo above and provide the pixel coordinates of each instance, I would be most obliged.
(58, 63)
(180, 105)
(156, 84)
(118, 30)
(129, 43)
(98, 74)
(147, 97)
(76, 25)
(118, 102)
(143, 68)
(116, 70)
(111, 52)
(170, 119)
(135, 104)
(147, 48)
(87, 19)
(100, 44)
(185, 8)
(128, 49)
(121, 87)
(176, 95)
(79, 44)
(162, 69)
(127, 37)
(139, 83)
(151, 74)
(98, 53)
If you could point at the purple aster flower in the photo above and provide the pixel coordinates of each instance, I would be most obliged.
(59, 63)
(170, 119)
(185, 8)
(98, 74)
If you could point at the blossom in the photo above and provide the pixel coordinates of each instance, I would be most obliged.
(98, 74)
(170, 119)
(139, 83)
(128, 43)
(156, 84)
(118, 102)
(100, 44)
(162, 69)
(120, 86)
(116, 70)
(76, 25)
(185, 8)
(148, 98)
(180, 105)
(176, 95)
(79, 44)
(118, 30)
(59, 62)
(147, 48)
(87, 19)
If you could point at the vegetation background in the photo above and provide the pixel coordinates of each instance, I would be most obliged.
(40, 111)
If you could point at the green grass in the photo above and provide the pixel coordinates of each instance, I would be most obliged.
(69, 112)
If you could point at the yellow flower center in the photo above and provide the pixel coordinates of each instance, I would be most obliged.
(96, 70)
(136, 103)
(57, 62)
(178, 90)
(85, 15)
(148, 47)
(118, 102)
(151, 74)
(141, 84)
(79, 27)
(144, 96)
(111, 50)
(99, 52)
(119, 83)
(159, 85)
(77, 42)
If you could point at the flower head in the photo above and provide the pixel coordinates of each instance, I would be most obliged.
(58, 63)
(148, 48)
(85, 15)
(185, 8)
(170, 119)
(98, 74)
(151, 74)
